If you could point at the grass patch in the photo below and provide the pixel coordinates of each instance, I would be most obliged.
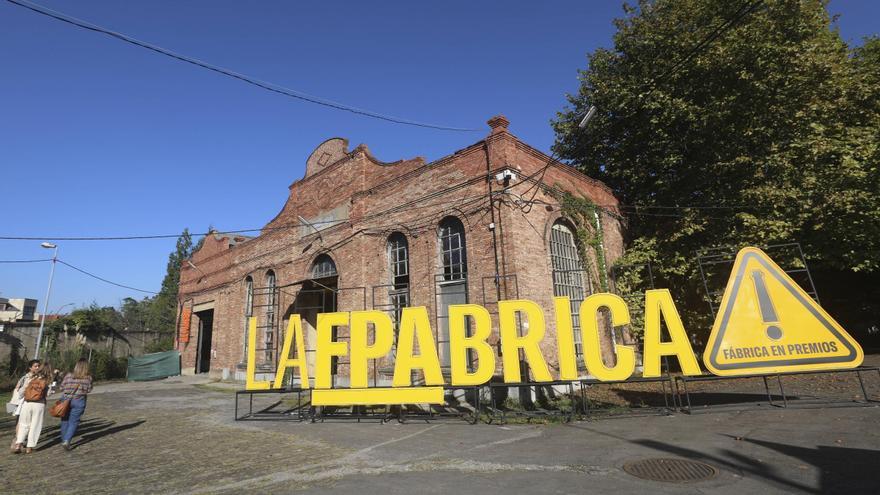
(4, 398)
(216, 388)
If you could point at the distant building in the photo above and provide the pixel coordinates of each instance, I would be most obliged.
(480, 225)
(18, 309)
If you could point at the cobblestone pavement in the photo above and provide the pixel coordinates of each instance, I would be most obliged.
(175, 437)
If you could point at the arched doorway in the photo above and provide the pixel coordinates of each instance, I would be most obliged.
(317, 295)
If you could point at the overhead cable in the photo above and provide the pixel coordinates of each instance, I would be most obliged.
(275, 88)
(104, 279)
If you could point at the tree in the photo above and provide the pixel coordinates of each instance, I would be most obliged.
(768, 134)
(136, 313)
(162, 313)
(201, 240)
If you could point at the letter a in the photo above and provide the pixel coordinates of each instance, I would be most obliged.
(294, 334)
(659, 304)
(415, 325)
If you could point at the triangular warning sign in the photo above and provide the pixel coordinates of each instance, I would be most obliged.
(768, 324)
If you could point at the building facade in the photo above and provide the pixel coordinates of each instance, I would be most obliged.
(484, 224)
(18, 309)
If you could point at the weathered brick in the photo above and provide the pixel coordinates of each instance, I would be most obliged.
(373, 199)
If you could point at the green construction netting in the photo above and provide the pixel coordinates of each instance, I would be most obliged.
(153, 366)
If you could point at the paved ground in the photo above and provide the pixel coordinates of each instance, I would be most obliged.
(175, 437)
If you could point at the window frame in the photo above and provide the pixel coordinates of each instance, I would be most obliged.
(452, 244)
(568, 271)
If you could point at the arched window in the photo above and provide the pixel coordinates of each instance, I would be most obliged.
(248, 311)
(322, 298)
(453, 251)
(398, 258)
(248, 297)
(452, 282)
(398, 261)
(324, 267)
(568, 274)
(271, 299)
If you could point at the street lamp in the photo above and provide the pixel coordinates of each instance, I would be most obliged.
(58, 311)
(589, 115)
(47, 245)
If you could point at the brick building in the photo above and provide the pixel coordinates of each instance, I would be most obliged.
(358, 233)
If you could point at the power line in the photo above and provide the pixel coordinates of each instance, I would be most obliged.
(744, 9)
(340, 220)
(105, 280)
(165, 236)
(226, 72)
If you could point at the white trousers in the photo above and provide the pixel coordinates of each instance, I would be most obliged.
(30, 423)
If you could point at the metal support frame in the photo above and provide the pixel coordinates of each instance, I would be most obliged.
(269, 413)
(357, 413)
(439, 281)
(677, 399)
(764, 377)
(726, 255)
(272, 294)
(446, 411)
(666, 410)
(493, 412)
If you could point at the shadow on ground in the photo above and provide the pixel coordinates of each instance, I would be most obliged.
(840, 468)
(88, 431)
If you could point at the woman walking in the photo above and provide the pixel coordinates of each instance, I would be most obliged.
(30, 420)
(33, 367)
(75, 386)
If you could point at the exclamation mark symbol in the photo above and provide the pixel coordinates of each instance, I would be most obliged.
(768, 312)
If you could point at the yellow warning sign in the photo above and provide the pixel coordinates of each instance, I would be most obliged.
(768, 324)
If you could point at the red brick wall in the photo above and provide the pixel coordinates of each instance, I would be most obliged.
(411, 197)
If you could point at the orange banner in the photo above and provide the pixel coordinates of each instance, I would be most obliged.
(183, 331)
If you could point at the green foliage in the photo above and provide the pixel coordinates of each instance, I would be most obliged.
(583, 213)
(156, 313)
(165, 343)
(769, 134)
(65, 359)
(163, 307)
(7, 382)
(631, 280)
(105, 367)
(10, 371)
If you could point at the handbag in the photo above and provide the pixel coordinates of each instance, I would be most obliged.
(62, 406)
(14, 403)
(36, 390)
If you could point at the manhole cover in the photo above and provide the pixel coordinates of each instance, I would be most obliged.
(660, 469)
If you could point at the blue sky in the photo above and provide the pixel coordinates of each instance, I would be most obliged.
(98, 137)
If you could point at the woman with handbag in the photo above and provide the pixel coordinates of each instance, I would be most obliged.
(16, 401)
(74, 388)
(30, 419)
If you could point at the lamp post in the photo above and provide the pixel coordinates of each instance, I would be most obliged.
(47, 245)
(57, 311)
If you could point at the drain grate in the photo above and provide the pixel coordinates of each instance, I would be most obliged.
(670, 469)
